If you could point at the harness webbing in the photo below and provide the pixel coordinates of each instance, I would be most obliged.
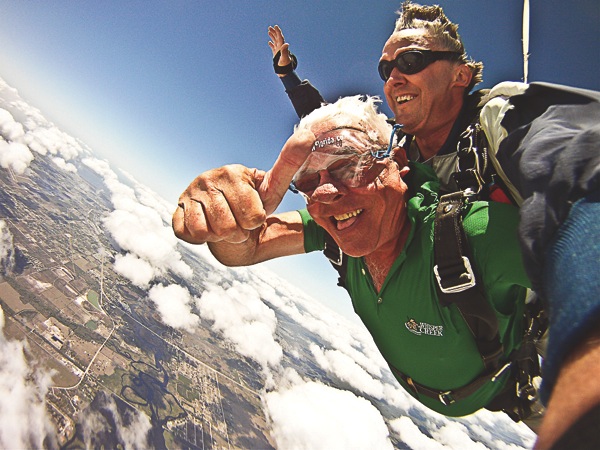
(458, 283)
(451, 396)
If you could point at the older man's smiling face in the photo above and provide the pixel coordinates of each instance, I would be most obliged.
(362, 218)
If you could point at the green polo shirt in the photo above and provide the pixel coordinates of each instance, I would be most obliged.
(415, 334)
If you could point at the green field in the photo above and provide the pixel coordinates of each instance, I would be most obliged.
(93, 297)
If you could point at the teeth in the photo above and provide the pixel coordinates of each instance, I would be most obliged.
(348, 215)
(404, 98)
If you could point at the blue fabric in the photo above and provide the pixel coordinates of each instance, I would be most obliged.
(291, 80)
(572, 285)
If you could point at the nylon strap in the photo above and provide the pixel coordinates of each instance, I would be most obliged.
(337, 258)
(450, 396)
(457, 282)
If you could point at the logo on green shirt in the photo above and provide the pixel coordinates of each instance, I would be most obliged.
(420, 328)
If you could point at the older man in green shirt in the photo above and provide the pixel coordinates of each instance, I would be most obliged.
(417, 336)
(358, 193)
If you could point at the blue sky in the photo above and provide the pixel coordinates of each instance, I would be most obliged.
(168, 89)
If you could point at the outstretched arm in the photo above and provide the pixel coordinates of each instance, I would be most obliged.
(576, 396)
(230, 208)
(304, 96)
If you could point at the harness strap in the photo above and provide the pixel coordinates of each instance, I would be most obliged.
(337, 258)
(450, 396)
(475, 174)
(457, 282)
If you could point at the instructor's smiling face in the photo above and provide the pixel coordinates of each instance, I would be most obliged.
(419, 101)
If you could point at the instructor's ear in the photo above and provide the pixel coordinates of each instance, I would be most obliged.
(462, 76)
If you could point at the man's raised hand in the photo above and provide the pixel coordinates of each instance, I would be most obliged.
(278, 44)
(227, 203)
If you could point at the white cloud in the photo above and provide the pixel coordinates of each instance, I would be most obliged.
(148, 197)
(346, 369)
(314, 416)
(9, 128)
(139, 229)
(24, 423)
(348, 337)
(61, 163)
(132, 433)
(138, 271)
(49, 139)
(29, 116)
(455, 435)
(7, 251)
(174, 305)
(410, 434)
(31, 132)
(99, 166)
(15, 156)
(244, 319)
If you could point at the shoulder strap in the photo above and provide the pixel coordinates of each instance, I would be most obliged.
(457, 282)
(337, 258)
(476, 172)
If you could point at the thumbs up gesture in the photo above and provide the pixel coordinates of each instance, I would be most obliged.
(226, 204)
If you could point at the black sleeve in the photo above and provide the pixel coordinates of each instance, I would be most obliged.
(305, 98)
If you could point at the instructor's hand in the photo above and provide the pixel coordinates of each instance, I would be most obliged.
(225, 204)
(278, 44)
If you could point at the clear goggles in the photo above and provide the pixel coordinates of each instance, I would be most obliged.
(345, 156)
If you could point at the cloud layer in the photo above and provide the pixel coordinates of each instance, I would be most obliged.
(7, 251)
(24, 423)
(312, 415)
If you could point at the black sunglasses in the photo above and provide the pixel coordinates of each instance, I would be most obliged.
(413, 61)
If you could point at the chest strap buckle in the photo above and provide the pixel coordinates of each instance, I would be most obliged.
(334, 257)
(463, 277)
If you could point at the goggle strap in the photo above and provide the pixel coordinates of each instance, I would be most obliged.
(381, 154)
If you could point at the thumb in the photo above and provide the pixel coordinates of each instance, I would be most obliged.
(285, 59)
(277, 180)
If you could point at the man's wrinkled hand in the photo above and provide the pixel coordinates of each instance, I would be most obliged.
(227, 203)
(219, 205)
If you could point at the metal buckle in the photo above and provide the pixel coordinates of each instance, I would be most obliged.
(459, 287)
(446, 398)
(340, 257)
(526, 391)
(469, 181)
(501, 371)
